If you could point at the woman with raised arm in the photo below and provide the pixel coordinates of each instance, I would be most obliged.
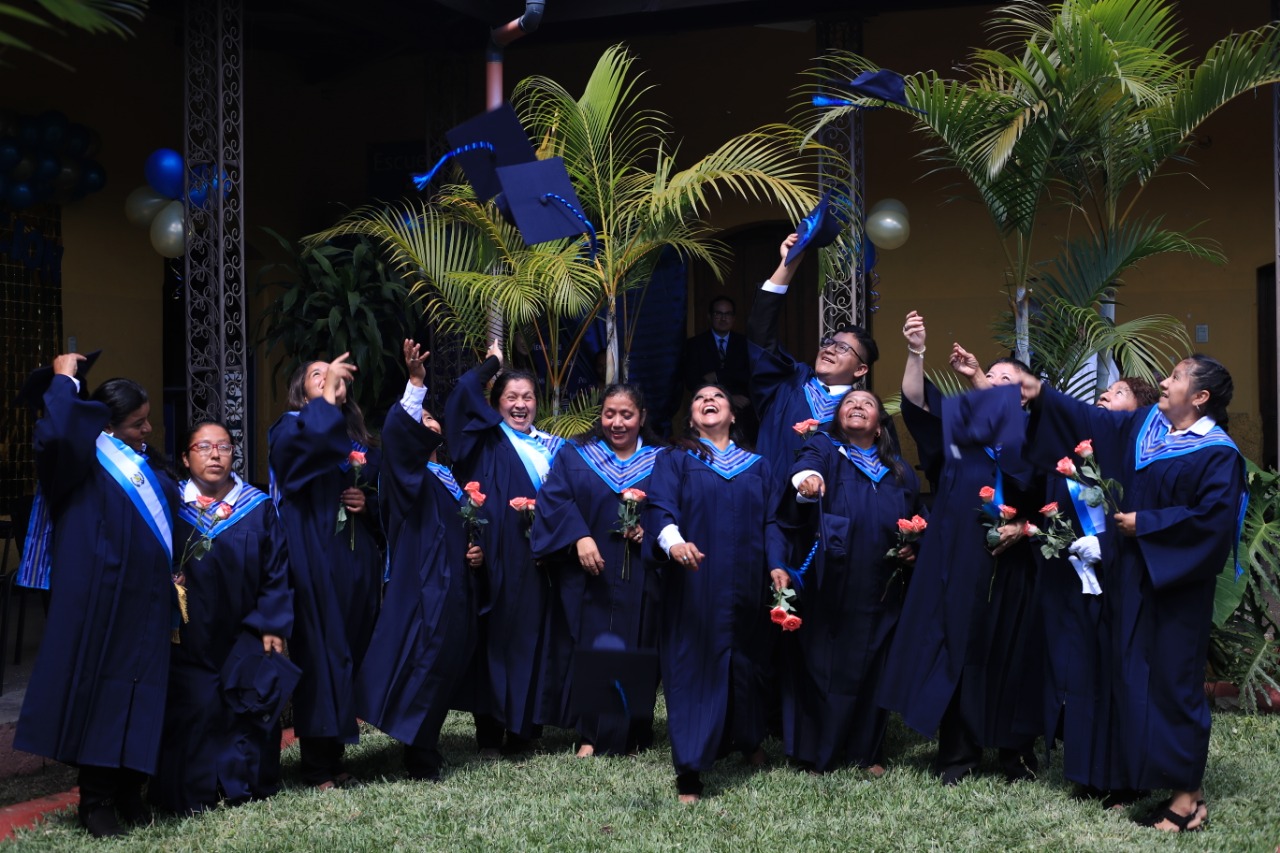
(1175, 525)
(711, 508)
(495, 444)
(597, 564)
(97, 694)
(426, 630)
(323, 477)
(966, 660)
(852, 489)
(231, 562)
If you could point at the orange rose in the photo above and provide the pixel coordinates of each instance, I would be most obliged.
(1008, 512)
(223, 512)
(778, 615)
(905, 526)
(356, 458)
(519, 504)
(987, 494)
(1049, 510)
(1066, 467)
(531, 505)
(918, 524)
(477, 498)
(792, 622)
(1085, 448)
(204, 501)
(635, 495)
(807, 426)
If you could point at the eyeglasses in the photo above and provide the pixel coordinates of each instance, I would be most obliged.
(205, 448)
(839, 346)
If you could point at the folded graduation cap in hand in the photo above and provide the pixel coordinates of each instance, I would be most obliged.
(38, 381)
(256, 684)
(608, 679)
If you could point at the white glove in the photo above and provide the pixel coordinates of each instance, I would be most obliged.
(1084, 554)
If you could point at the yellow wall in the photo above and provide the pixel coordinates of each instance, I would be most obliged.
(306, 138)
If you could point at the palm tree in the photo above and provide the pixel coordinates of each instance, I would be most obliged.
(622, 163)
(1080, 104)
(93, 16)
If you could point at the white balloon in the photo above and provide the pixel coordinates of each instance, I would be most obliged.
(887, 229)
(890, 204)
(142, 205)
(168, 230)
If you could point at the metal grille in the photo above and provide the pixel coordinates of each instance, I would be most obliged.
(217, 342)
(31, 328)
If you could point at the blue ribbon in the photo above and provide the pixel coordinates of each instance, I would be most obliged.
(580, 216)
(421, 181)
(797, 575)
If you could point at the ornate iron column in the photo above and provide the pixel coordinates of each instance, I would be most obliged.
(844, 296)
(217, 339)
(1275, 220)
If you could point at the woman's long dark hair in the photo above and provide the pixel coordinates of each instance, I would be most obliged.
(351, 413)
(884, 440)
(1211, 375)
(689, 441)
(123, 397)
(636, 396)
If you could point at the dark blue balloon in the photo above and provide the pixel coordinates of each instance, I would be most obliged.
(869, 260)
(9, 155)
(53, 130)
(29, 131)
(165, 173)
(202, 181)
(78, 140)
(42, 191)
(94, 177)
(47, 168)
(20, 196)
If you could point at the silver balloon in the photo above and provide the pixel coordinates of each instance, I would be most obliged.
(890, 204)
(887, 229)
(142, 205)
(168, 234)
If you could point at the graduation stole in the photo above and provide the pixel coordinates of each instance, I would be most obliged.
(822, 403)
(536, 451)
(993, 508)
(1154, 443)
(131, 470)
(356, 447)
(1093, 519)
(445, 476)
(728, 463)
(242, 500)
(867, 461)
(37, 559)
(618, 474)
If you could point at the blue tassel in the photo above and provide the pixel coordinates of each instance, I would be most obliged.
(421, 181)
(797, 575)
(825, 101)
(622, 694)
(580, 216)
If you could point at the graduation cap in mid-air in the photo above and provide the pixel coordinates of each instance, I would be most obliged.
(481, 144)
(38, 381)
(820, 227)
(610, 679)
(543, 203)
(885, 86)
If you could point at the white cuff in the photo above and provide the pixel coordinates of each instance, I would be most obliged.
(77, 381)
(774, 288)
(411, 402)
(798, 478)
(669, 538)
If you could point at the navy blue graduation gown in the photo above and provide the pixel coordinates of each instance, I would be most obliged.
(240, 584)
(714, 628)
(426, 631)
(97, 693)
(1158, 592)
(575, 502)
(850, 604)
(514, 591)
(777, 395)
(969, 628)
(336, 589)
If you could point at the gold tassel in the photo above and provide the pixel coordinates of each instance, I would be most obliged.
(174, 638)
(182, 602)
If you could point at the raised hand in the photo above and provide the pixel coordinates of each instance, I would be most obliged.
(340, 372)
(415, 360)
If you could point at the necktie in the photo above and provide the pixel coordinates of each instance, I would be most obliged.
(720, 344)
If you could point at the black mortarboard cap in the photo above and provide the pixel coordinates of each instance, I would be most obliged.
(542, 201)
(39, 380)
(255, 684)
(483, 143)
(820, 228)
(612, 681)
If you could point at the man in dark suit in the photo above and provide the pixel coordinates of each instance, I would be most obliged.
(720, 355)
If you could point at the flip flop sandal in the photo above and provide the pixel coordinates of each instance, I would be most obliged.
(1181, 821)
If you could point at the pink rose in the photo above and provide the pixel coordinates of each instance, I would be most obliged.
(1007, 512)
(223, 512)
(1066, 467)
(518, 504)
(806, 426)
(987, 494)
(1049, 510)
(1085, 448)
(918, 524)
(204, 501)
(905, 526)
(477, 498)
(1030, 529)
(356, 458)
(792, 622)
(635, 495)
(531, 505)
(778, 615)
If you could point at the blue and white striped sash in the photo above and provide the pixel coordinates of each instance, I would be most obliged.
(242, 499)
(536, 450)
(131, 470)
(822, 404)
(728, 463)
(445, 476)
(867, 461)
(618, 474)
(1155, 443)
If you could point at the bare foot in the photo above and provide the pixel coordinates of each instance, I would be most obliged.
(689, 798)
(586, 751)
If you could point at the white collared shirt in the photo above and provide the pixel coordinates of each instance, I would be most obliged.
(190, 494)
(1201, 427)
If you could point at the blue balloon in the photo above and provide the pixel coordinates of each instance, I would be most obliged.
(93, 177)
(869, 260)
(53, 130)
(78, 137)
(20, 195)
(9, 155)
(165, 173)
(47, 168)
(29, 131)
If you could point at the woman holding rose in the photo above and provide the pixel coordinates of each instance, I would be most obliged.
(596, 560)
(235, 573)
(856, 493)
(323, 475)
(711, 510)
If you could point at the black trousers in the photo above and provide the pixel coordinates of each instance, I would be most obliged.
(105, 786)
(320, 759)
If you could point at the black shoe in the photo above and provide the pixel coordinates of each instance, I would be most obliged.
(101, 821)
(133, 811)
(952, 776)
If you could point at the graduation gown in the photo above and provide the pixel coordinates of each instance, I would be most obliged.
(239, 585)
(713, 631)
(336, 589)
(1158, 589)
(97, 692)
(778, 395)
(575, 502)
(425, 634)
(850, 602)
(514, 593)
(969, 629)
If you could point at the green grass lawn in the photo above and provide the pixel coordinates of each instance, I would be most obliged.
(553, 801)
